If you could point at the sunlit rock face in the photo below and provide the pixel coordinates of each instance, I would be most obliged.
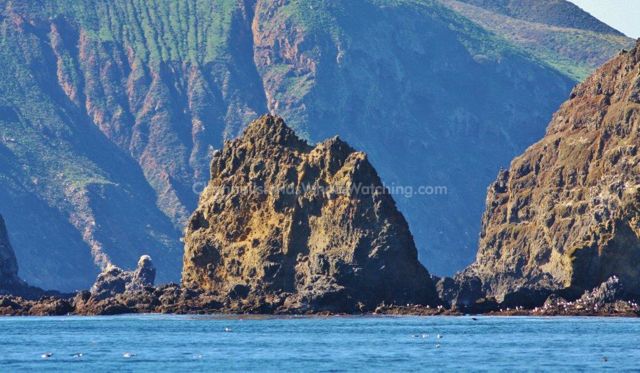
(566, 214)
(287, 224)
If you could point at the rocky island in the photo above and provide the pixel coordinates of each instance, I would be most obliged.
(285, 227)
(283, 224)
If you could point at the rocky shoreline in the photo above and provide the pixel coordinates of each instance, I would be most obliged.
(170, 299)
(119, 292)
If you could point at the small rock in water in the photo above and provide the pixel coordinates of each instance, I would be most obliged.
(46, 355)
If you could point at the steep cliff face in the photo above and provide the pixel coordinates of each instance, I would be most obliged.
(8, 263)
(287, 224)
(10, 283)
(110, 110)
(566, 215)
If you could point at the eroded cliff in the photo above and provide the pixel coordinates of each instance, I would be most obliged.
(566, 215)
(8, 264)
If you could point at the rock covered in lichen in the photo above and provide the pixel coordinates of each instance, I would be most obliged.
(286, 225)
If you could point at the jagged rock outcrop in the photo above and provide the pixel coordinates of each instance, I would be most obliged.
(114, 280)
(285, 224)
(565, 217)
(604, 300)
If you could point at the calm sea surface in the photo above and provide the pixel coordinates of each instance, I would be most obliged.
(186, 343)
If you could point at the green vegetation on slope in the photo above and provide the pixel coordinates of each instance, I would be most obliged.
(575, 51)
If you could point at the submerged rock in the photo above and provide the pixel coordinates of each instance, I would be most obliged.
(285, 225)
(566, 215)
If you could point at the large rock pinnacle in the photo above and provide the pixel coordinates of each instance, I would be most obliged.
(285, 224)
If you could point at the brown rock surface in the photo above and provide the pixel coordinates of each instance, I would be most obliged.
(283, 225)
(566, 215)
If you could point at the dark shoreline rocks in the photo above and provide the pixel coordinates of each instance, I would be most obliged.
(173, 299)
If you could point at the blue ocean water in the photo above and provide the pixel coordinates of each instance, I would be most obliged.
(220, 343)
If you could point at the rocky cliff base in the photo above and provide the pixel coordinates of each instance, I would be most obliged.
(605, 300)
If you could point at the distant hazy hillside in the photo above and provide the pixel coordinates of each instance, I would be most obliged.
(561, 13)
(109, 111)
(555, 31)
